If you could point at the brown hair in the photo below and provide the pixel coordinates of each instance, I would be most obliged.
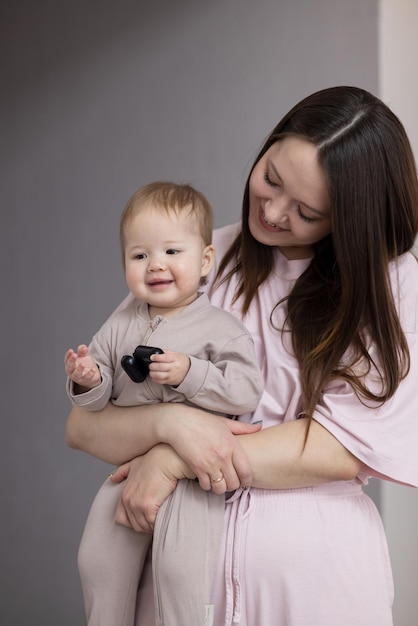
(170, 197)
(345, 291)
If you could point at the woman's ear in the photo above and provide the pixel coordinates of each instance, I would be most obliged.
(208, 259)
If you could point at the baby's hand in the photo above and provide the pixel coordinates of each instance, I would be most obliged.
(169, 368)
(81, 368)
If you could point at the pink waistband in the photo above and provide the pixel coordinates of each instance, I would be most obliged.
(335, 489)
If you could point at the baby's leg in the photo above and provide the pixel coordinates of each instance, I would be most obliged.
(110, 562)
(187, 538)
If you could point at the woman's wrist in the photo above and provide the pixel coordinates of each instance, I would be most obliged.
(175, 466)
(169, 422)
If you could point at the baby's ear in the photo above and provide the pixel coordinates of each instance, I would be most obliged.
(208, 259)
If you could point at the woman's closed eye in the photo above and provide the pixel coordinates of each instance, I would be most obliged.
(304, 217)
(278, 185)
(269, 181)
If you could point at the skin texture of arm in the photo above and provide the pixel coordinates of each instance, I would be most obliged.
(278, 456)
(114, 434)
(273, 458)
(204, 441)
(281, 459)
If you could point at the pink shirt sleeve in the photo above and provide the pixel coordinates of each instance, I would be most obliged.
(384, 437)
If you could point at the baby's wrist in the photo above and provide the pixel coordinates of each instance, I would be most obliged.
(79, 389)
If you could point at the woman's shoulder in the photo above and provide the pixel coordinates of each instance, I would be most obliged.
(404, 280)
(408, 259)
(403, 272)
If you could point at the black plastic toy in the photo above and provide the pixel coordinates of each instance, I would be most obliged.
(136, 366)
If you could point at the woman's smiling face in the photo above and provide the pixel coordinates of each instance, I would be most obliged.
(289, 200)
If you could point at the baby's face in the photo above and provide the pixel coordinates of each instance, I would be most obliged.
(165, 258)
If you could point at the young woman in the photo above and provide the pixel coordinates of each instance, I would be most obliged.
(321, 274)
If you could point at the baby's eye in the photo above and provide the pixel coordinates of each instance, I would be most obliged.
(172, 251)
(140, 256)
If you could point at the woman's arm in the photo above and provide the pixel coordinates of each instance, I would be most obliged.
(114, 434)
(278, 456)
(204, 441)
(273, 458)
(281, 459)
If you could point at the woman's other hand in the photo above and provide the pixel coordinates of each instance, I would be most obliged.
(149, 480)
(208, 445)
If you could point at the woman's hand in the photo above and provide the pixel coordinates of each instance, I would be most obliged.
(205, 441)
(208, 445)
(149, 480)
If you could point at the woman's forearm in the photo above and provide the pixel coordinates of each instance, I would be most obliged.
(278, 456)
(115, 434)
(280, 459)
(206, 442)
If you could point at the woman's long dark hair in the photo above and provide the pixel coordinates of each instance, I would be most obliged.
(344, 298)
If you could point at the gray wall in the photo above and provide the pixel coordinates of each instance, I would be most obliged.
(99, 97)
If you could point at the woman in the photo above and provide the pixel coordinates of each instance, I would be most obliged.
(319, 270)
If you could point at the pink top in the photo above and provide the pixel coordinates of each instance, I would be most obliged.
(384, 438)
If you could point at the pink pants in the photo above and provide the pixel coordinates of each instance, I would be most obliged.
(297, 557)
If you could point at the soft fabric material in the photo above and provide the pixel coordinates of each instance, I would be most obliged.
(303, 557)
(223, 378)
(184, 549)
(186, 542)
(223, 375)
(385, 438)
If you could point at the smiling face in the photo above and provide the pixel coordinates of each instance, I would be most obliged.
(165, 258)
(289, 202)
